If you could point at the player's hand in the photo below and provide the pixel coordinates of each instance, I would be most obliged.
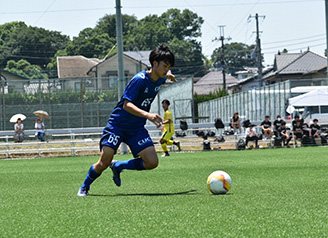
(156, 119)
(171, 77)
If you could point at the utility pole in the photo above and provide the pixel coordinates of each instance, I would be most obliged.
(222, 60)
(3, 82)
(258, 49)
(119, 37)
(326, 1)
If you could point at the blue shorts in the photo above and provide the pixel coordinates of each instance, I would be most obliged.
(137, 139)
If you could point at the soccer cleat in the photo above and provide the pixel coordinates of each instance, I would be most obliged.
(178, 145)
(116, 174)
(165, 154)
(83, 191)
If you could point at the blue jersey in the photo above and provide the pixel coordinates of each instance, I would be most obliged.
(141, 91)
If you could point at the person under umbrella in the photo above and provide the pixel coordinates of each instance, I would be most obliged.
(39, 126)
(19, 131)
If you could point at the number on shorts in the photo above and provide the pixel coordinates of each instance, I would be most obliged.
(113, 139)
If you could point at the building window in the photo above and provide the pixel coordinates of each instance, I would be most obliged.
(112, 81)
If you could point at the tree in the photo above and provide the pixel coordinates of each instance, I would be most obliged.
(179, 30)
(284, 50)
(236, 55)
(96, 42)
(149, 33)
(90, 44)
(25, 69)
(107, 24)
(189, 58)
(183, 25)
(33, 44)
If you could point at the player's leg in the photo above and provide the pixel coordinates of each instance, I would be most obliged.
(173, 142)
(166, 140)
(247, 140)
(256, 139)
(149, 158)
(96, 169)
(163, 141)
(270, 132)
(138, 140)
(265, 133)
(234, 127)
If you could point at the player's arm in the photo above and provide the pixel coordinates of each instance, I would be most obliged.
(134, 110)
(166, 121)
(171, 76)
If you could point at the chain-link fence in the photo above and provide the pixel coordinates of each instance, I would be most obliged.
(71, 103)
(77, 102)
(255, 104)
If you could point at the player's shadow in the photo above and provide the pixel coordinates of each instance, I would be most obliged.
(190, 192)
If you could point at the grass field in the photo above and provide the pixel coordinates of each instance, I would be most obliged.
(275, 193)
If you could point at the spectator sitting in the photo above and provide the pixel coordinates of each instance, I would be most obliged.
(306, 140)
(315, 129)
(39, 126)
(277, 124)
(297, 118)
(251, 135)
(19, 133)
(315, 132)
(235, 123)
(283, 134)
(297, 130)
(266, 127)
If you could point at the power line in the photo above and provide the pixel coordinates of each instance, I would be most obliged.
(294, 49)
(152, 6)
(300, 43)
(277, 42)
(44, 12)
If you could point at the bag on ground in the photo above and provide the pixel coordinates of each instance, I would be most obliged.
(218, 123)
(240, 144)
(183, 125)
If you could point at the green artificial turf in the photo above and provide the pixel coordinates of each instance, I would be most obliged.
(275, 193)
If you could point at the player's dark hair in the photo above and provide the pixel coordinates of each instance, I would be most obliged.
(315, 120)
(283, 123)
(166, 101)
(267, 116)
(161, 53)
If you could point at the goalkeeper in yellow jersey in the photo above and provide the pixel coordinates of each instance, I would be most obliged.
(168, 129)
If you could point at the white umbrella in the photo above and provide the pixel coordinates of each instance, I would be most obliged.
(14, 118)
(41, 113)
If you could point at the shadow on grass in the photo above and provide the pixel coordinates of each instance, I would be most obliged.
(190, 192)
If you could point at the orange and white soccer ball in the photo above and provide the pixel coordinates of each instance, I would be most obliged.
(219, 182)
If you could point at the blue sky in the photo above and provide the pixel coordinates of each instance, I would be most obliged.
(292, 24)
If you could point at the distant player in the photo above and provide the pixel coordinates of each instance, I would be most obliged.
(276, 125)
(126, 123)
(283, 134)
(168, 129)
(266, 127)
(235, 123)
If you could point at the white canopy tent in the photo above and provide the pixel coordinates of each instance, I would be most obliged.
(317, 97)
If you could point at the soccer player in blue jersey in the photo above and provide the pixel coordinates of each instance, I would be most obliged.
(126, 122)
